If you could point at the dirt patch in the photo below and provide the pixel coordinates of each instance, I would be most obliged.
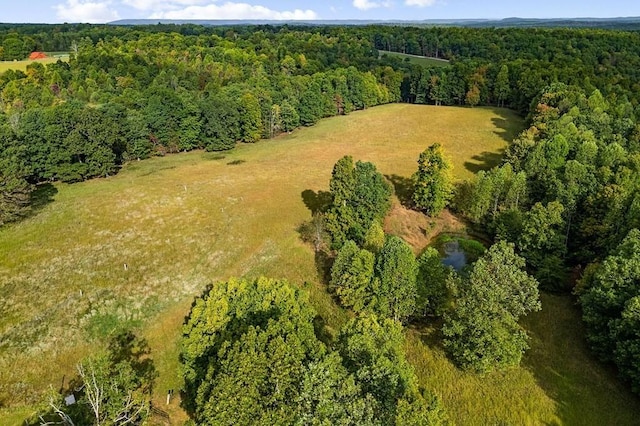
(417, 229)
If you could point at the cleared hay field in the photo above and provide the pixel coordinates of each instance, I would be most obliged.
(22, 65)
(417, 60)
(184, 221)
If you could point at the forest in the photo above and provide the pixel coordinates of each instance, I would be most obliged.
(561, 212)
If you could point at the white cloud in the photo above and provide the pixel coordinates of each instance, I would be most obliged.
(148, 5)
(229, 10)
(420, 3)
(86, 11)
(368, 4)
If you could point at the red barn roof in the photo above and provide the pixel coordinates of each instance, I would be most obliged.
(37, 55)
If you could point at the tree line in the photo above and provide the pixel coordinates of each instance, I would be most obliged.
(151, 93)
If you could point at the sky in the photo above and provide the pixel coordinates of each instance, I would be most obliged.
(99, 11)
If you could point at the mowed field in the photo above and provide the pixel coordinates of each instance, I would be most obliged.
(417, 60)
(22, 65)
(184, 221)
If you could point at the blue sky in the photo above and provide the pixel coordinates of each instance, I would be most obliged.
(51, 11)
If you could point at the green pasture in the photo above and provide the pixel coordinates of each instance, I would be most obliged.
(22, 65)
(133, 250)
(417, 60)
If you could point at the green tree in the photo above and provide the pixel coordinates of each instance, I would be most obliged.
(360, 196)
(609, 294)
(164, 113)
(431, 284)
(331, 395)
(289, 116)
(374, 238)
(220, 123)
(15, 190)
(246, 347)
(541, 242)
(372, 350)
(502, 89)
(396, 270)
(482, 332)
(351, 276)
(251, 125)
(432, 181)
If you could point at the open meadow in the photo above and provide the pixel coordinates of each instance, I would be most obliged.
(417, 60)
(133, 250)
(22, 65)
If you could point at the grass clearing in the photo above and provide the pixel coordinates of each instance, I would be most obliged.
(22, 65)
(416, 59)
(184, 221)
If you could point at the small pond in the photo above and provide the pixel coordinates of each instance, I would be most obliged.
(454, 255)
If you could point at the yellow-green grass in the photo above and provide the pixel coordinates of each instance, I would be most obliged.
(22, 65)
(183, 221)
(417, 60)
(558, 382)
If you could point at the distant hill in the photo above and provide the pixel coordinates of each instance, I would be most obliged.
(625, 23)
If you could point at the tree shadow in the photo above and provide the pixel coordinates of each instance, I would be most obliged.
(484, 161)
(42, 196)
(123, 348)
(129, 348)
(324, 263)
(567, 370)
(316, 202)
(322, 331)
(507, 129)
(430, 331)
(403, 188)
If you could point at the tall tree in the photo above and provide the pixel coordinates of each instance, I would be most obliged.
(360, 196)
(609, 294)
(432, 181)
(351, 277)
(372, 349)
(502, 89)
(245, 348)
(482, 332)
(15, 190)
(431, 283)
(396, 270)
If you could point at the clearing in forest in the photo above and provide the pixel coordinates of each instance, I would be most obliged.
(22, 65)
(184, 221)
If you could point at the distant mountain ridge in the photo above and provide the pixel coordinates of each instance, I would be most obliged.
(630, 23)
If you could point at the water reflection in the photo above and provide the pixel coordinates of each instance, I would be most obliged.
(454, 255)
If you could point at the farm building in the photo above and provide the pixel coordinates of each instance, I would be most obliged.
(37, 55)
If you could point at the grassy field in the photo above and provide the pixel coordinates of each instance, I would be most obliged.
(417, 60)
(22, 65)
(183, 221)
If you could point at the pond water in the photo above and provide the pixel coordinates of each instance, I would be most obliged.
(454, 256)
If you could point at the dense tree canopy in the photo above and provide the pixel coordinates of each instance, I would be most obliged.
(610, 298)
(251, 356)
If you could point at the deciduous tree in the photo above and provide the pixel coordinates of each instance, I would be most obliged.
(432, 181)
(482, 332)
